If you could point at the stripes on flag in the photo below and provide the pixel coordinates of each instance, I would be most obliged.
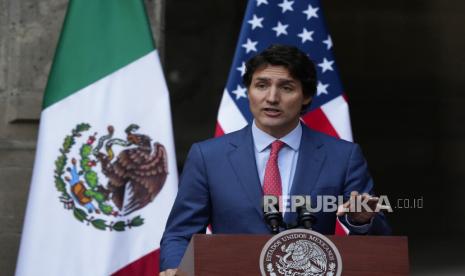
(331, 118)
(229, 116)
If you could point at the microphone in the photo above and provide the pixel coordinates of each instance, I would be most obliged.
(273, 216)
(305, 218)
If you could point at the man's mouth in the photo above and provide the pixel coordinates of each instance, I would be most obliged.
(271, 112)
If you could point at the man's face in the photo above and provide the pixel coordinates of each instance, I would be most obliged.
(276, 99)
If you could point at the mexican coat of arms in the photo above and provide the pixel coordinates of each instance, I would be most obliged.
(104, 188)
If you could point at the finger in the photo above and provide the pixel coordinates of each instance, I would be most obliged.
(373, 203)
(366, 198)
(343, 208)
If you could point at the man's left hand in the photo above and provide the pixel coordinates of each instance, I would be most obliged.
(360, 208)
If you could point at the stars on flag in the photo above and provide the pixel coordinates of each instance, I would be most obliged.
(250, 46)
(328, 42)
(256, 22)
(240, 92)
(321, 88)
(280, 29)
(326, 65)
(311, 12)
(241, 69)
(290, 22)
(286, 6)
(259, 2)
(306, 35)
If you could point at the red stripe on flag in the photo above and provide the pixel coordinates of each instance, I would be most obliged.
(218, 131)
(145, 266)
(318, 121)
(339, 230)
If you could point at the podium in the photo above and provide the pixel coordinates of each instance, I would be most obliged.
(240, 254)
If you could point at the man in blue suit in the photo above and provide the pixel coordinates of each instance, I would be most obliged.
(224, 179)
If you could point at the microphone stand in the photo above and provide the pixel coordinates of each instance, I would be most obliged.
(273, 217)
(305, 218)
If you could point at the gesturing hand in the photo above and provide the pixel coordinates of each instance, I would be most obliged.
(360, 208)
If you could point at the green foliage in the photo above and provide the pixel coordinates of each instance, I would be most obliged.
(91, 178)
(82, 127)
(89, 193)
(86, 150)
(137, 221)
(99, 224)
(119, 226)
(60, 184)
(80, 214)
(60, 164)
(84, 165)
(68, 143)
(106, 209)
(99, 197)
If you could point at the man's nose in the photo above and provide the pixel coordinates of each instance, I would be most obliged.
(272, 96)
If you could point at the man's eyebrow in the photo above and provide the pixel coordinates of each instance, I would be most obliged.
(291, 82)
(287, 81)
(262, 79)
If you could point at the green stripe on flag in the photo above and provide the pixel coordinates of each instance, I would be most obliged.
(98, 38)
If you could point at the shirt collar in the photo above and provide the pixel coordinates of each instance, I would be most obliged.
(262, 139)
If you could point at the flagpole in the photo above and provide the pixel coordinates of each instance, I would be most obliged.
(159, 28)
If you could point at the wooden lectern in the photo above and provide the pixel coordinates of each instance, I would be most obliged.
(240, 254)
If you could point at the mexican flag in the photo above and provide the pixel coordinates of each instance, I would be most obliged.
(105, 172)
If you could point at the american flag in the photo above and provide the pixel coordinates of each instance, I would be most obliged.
(299, 23)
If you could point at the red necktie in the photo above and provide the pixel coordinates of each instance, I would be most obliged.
(272, 180)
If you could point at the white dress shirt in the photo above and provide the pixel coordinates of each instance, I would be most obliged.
(287, 157)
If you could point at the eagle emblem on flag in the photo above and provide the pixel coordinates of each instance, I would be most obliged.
(107, 178)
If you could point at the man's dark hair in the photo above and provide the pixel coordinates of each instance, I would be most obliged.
(297, 62)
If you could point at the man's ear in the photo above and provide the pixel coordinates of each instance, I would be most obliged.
(307, 100)
(305, 104)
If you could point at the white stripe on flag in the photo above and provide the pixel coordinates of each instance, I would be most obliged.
(230, 117)
(337, 112)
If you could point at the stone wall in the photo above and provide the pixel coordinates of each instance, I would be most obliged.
(28, 34)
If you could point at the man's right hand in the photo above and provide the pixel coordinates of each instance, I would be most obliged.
(169, 272)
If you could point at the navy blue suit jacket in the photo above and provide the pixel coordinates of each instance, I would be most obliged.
(220, 186)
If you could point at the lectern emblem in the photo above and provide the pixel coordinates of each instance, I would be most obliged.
(300, 252)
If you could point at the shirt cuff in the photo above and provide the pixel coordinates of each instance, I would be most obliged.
(357, 229)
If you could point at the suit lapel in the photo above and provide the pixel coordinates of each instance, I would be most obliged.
(309, 163)
(242, 159)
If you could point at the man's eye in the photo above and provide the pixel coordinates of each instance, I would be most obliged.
(287, 88)
(260, 85)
